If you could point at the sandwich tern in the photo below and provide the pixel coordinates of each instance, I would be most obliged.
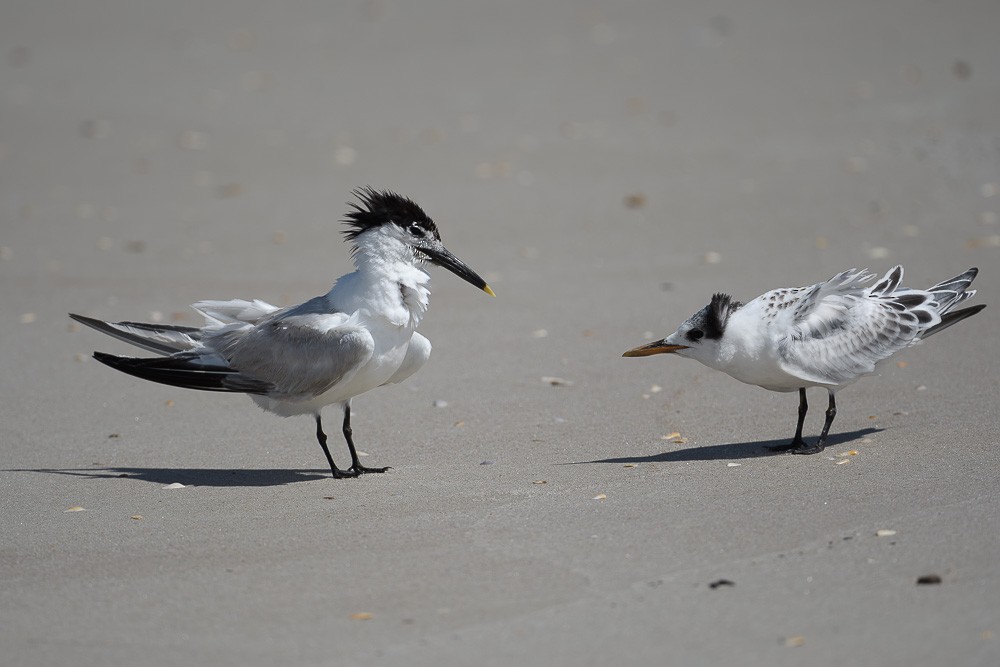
(825, 335)
(298, 360)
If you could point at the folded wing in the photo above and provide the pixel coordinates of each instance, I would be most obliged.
(298, 356)
(248, 347)
(842, 330)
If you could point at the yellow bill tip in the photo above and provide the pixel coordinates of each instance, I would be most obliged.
(489, 290)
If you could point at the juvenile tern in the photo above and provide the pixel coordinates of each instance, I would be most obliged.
(296, 361)
(825, 335)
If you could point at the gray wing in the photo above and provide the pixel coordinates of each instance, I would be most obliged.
(299, 355)
(163, 339)
(234, 311)
(841, 336)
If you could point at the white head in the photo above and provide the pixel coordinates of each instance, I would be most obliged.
(699, 337)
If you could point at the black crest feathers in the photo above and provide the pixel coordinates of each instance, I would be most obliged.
(380, 207)
(718, 311)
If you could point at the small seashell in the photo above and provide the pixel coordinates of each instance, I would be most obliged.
(229, 190)
(635, 201)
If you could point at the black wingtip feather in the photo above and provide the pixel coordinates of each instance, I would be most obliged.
(954, 317)
(176, 372)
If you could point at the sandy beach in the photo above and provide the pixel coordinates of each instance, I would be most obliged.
(606, 167)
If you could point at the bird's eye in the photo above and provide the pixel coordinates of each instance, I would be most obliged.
(415, 229)
(695, 334)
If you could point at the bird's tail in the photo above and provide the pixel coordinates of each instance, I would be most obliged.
(186, 370)
(954, 291)
(955, 317)
(159, 338)
(949, 294)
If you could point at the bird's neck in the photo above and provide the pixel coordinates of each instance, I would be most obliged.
(741, 348)
(388, 283)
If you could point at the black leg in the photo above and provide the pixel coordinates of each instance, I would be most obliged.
(803, 408)
(831, 412)
(797, 442)
(356, 466)
(337, 472)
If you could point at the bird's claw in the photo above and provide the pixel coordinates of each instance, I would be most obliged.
(797, 448)
(363, 470)
(792, 446)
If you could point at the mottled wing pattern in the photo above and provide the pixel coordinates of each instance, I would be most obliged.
(841, 329)
(951, 292)
(298, 355)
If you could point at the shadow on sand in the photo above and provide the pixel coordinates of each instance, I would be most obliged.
(193, 476)
(738, 450)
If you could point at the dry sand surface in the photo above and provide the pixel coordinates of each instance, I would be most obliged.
(606, 166)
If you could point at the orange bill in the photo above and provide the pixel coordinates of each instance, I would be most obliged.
(657, 347)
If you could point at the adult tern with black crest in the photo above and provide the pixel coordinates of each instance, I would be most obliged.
(296, 361)
(825, 335)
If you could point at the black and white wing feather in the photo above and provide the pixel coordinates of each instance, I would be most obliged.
(841, 329)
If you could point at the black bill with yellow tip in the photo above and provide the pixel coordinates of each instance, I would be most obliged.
(443, 257)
